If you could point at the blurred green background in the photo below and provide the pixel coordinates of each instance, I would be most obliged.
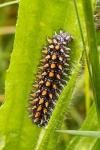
(8, 16)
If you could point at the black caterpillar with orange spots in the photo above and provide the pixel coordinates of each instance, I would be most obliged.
(52, 76)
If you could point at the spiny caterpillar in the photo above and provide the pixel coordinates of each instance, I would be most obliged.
(52, 76)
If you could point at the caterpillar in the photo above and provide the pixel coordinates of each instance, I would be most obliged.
(52, 76)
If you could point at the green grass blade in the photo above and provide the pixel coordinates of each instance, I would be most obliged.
(77, 9)
(97, 23)
(8, 3)
(93, 52)
(87, 89)
(95, 134)
(90, 123)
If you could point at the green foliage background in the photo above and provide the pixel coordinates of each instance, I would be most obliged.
(36, 20)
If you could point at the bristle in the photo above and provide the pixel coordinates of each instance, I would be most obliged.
(49, 40)
(52, 76)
